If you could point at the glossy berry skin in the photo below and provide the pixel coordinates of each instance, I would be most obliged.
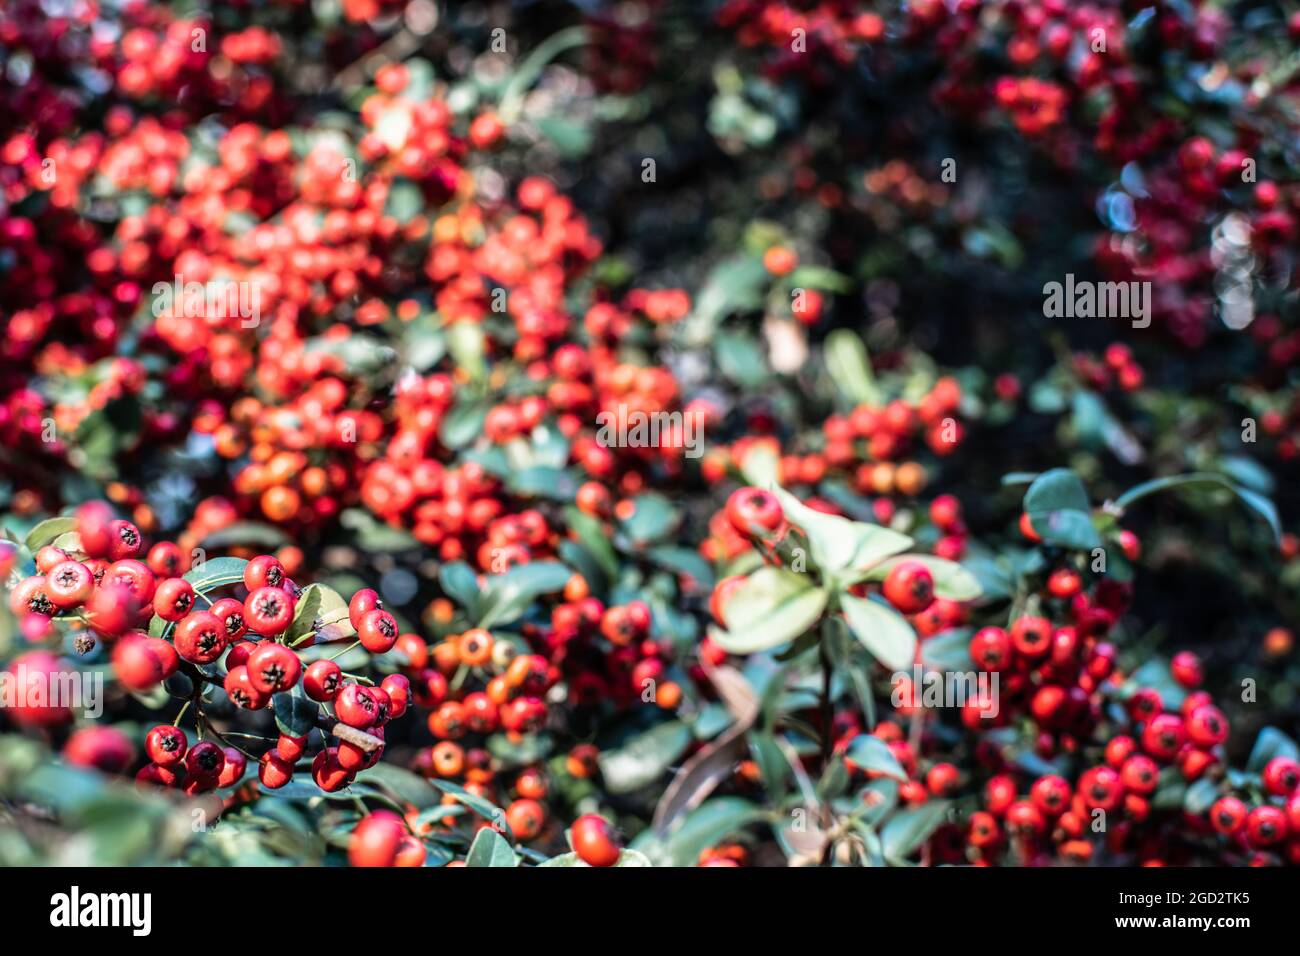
(323, 680)
(1163, 736)
(274, 771)
(377, 631)
(356, 706)
(230, 613)
(143, 662)
(909, 586)
(239, 688)
(173, 599)
(362, 603)
(1281, 776)
(233, 771)
(1228, 815)
(263, 571)
(205, 759)
(69, 584)
(594, 840)
(1266, 826)
(268, 611)
(200, 638)
(165, 745)
(526, 818)
(991, 650)
(1031, 636)
(1206, 726)
(376, 840)
(273, 668)
(754, 512)
(398, 689)
(327, 772)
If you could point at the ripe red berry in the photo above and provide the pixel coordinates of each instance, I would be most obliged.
(1266, 826)
(68, 584)
(327, 772)
(376, 840)
(1031, 636)
(200, 638)
(754, 512)
(356, 706)
(205, 759)
(594, 840)
(239, 688)
(990, 649)
(362, 603)
(909, 586)
(1227, 815)
(274, 771)
(323, 680)
(1281, 776)
(263, 571)
(377, 631)
(268, 611)
(142, 662)
(273, 668)
(165, 745)
(230, 612)
(1206, 726)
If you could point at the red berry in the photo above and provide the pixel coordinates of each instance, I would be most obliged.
(200, 638)
(323, 680)
(909, 586)
(273, 668)
(594, 840)
(165, 745)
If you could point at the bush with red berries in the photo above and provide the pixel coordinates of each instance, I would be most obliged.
(434, 435)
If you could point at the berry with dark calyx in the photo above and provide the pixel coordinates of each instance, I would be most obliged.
(68, 584)
(268, 611)
(754, 512)
(273, 668)
(909, 586)
(356, 706)
(991, 649)
(173, 599)
(205, 759)
(362, 603)
(1281, 776)
(1031, 636)
(263, 571)
(322, 680)
(594, 840)
(241, 690)
(377, 631)
(200, 638)
(166, 745)
(1228, 815)
(1266, 826)
(230, 612)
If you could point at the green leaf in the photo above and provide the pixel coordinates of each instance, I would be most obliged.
(644, 758)
(908, 829)
(1205, 480)
(773, 606)
(215, 573)
(591, 534)
(491, 849)
(626, 858)
(881, 630)
(1200, 797)
(1057, 490)
(319, 609)
(404, 201)
(507, 596)
(484, 808)
(819, 277)
(295, 713)
(47, 531)
(838, 543)
(872, 753)
(463, 423)
(760, 467)
(740, 358)
(653, 518)
(850, 368)
(459, 582)
(951, 580)
(705, 826)
(1067, 529)
(733, 286)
